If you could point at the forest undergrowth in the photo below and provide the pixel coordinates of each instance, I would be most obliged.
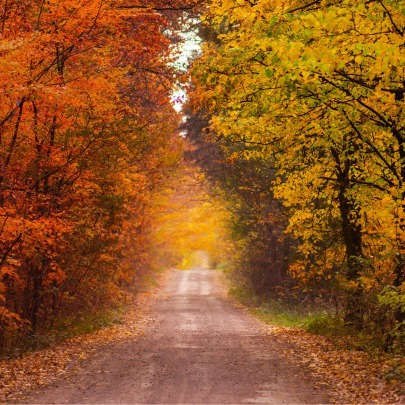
(345, 361)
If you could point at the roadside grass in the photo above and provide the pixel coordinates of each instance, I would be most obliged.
(78, 324)
(88, 323)
(322, 320)
(63, 329)
(316, 318)
(311, 317)
(280, 313)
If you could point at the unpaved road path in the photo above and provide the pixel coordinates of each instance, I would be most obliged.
(201, 350)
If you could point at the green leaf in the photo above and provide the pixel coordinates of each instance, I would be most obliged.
(269, 73)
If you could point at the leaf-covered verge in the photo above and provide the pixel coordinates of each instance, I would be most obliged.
(351, 376)
(33, 370)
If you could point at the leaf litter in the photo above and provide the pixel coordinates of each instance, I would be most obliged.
(350, 376)
(34, 370)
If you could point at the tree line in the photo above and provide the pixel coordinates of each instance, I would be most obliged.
(303, 108)
(87, 135)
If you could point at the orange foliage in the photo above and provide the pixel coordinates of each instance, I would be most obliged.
(86, 132)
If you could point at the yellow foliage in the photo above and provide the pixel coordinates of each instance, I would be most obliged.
(190, 224)
(321, 89)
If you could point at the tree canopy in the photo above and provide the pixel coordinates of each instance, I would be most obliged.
(315, 91)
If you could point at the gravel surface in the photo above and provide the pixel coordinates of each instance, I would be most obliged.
(201, 349)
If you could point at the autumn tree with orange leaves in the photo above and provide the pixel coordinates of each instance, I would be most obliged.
(86, 132)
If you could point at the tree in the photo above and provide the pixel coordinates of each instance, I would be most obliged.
(86, 132)
(320, 86)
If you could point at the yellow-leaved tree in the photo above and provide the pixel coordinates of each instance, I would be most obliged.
(316, 89)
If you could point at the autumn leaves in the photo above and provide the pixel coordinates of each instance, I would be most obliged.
(305, 101)
(87, 132)
(314, 90)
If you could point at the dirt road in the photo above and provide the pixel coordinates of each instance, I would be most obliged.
(201, 350)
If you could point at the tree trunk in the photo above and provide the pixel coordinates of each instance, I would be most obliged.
(351, 230)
